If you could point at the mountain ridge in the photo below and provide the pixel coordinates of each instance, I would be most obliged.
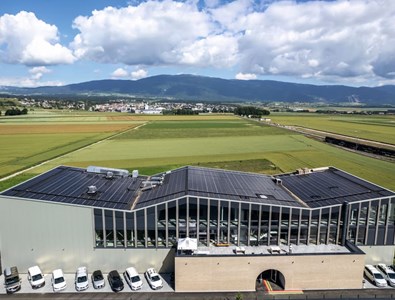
(201, 88)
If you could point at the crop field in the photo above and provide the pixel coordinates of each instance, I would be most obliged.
(161, 143)
(29, 140)
(371, 127)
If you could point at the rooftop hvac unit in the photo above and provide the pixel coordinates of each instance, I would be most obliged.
(92, 189)
(103, 170)
(278, 181)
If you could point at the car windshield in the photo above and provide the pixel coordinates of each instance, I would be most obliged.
(12, 280)
(59, 280)
(117, 282)
(155, 278)
(391, 275)
(37, 277)
(81, 279)
(378, 276)
(135, 278)
(98, 277)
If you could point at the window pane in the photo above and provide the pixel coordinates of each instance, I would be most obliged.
(108, 218)
(120, 230)
(99, 232)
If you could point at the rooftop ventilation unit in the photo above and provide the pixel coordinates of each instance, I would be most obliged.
(92, 190)
(103, 170)
(278, 181)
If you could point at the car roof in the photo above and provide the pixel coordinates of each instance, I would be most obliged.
(81, 270)
(57, 273)
(132, 271)
(34, 270)
(114, 273)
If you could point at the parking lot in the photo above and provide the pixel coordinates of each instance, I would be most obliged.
(26, 287)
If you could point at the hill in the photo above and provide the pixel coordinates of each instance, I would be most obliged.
(199, 88)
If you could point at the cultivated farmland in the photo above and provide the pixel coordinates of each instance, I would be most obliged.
(371, 127)
(166, 142)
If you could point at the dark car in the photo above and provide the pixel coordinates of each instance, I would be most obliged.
(115, 281)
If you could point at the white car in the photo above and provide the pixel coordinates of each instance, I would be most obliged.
(133, 279)
(388, 273)
(58, 281)
(375, 276)
(35, 277)
(81, 279)
(153, 279)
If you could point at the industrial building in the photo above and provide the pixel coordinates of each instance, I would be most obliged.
(301, 227)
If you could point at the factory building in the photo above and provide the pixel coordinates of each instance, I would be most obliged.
(300, 227)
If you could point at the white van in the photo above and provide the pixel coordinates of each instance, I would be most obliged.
(375, 276)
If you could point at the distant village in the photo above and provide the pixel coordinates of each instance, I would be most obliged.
(155, 107)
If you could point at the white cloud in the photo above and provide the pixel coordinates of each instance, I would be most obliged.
(245, 76)
(119, 73)
(321, 39)
(153, 33)
(38, 72)
(30, 41)
(138, 74)
(27, 82)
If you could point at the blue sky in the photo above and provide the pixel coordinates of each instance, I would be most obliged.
(47, 42)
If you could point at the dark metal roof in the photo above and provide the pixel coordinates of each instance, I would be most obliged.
(215, 183)
(70, 185)
(323, 187)
(330, 186)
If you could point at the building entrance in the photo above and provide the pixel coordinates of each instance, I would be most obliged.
(275, 280)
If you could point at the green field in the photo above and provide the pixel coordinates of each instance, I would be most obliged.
(372, 127)
(164, 143)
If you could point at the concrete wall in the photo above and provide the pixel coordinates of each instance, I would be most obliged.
(239, 273)
(61, 236)
(379, 254)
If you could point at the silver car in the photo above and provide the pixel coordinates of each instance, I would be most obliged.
(98, 279)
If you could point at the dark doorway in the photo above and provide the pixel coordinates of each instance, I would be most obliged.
(274, 278)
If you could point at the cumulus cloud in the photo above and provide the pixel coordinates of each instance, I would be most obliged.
(337, 40)
(245, 76)
(138, 74)
(152, 33)
(120, 73)
(325, 40)
(38, 72)
(30, 41)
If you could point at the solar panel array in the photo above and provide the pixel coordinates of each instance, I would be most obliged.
(213, 183)
(317, 189)
(70, 185)
(331, 187)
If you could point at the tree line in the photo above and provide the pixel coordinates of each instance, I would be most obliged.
(252, 111)
(15, 112)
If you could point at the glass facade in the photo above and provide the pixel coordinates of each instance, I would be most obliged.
(224, 222)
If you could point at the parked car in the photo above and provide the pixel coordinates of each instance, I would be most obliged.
(375, 276)
(153, 279)
(98, 279)
(115, 281)
(12, 281)
(133, 279)
(81, 279)
(58, 280)
(388, 273)
(35, 277)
